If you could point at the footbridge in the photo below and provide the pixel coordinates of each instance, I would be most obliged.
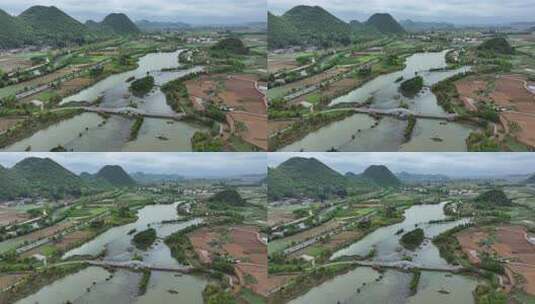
(130, 111)
(126, 111)
(139, 265)
(399, 265)
(400, 113)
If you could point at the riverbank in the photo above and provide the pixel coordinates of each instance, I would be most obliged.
(34, 123)
(299, 130)
(37, 280)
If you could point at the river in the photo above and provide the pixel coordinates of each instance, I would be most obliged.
(365, 285)
(360, 132)
(91, 132)
(97, 285)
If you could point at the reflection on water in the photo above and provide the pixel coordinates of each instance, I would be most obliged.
(86, 132)
(117, 240)
(184, 289)
(122, 286)
(68, 288)
(388, 135)
(365, 285)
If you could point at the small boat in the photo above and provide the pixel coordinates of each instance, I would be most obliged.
(172, 291)
(443, 291)
(161, 137)
(437, 139)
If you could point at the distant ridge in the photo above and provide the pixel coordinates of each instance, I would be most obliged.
(151, 26)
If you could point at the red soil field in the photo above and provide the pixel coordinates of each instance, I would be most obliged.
(511, 244)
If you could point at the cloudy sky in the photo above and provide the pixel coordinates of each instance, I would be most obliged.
(456, 11)
(189, 11)
(185, 164)
(451, 164)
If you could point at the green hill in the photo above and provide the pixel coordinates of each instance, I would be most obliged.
(15, 32)
(307, 25)
(308, 177)
(119, 24)
(116, 176)
(498, 45)
(51, 25)
(317, 26)
(381, 176)
(231, 45)
(493, 198)
(530, 180)
(385, 23)
(282, 33)
(45, 176)
(226, 198)
(12, 185)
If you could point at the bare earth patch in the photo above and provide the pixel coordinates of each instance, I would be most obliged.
(511, 244)
(10, 216)
(6, 123)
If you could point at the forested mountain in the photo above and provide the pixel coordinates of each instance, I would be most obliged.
(314, 26)
(308, 177)
(385, 23)
(282, 33)
(381, 176)
(11, 184)
(307, 25)
(119, 24)
(116, 176)
(43, 177)
(48, 25)
(304, 177)
(15, 32)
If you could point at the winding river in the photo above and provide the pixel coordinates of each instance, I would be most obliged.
(366, 285)
(97, 285)
(91, 132)
(360, 132)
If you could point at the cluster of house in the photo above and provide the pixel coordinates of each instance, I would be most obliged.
(200, 40)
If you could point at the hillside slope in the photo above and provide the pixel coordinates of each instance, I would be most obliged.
(116, 176)
(49, 24)
(119, 24)
(385, 23)
(304, 177)
(14, 31)
(307, 25)
(45, 176)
